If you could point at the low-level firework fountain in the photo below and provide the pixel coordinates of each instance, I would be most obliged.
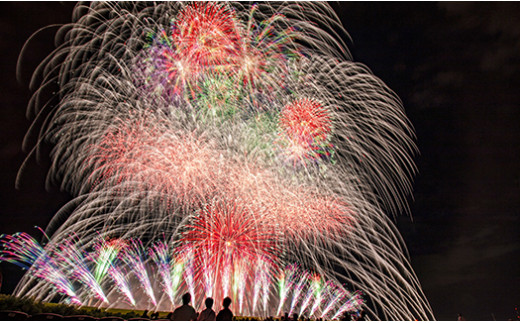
(223, 149)
(159, 278)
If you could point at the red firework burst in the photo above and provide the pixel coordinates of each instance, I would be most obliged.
(206, 33)
(307, 125)
(224, 242)
(116, 158)
(229, 231)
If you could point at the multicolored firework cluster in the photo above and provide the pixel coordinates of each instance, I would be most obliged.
(220, 148)
(127, 266)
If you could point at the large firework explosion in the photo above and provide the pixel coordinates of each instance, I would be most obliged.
(220, 149)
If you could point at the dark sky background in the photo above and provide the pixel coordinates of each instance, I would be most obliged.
(455, 65)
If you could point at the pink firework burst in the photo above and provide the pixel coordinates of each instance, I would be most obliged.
(306, 127)
(119, 156)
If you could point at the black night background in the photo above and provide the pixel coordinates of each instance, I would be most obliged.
(456, 67)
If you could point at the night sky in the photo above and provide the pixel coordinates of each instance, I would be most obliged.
(456, 67)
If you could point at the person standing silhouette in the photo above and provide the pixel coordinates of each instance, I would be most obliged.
(225, 314)
(208, 314)
(185, 312)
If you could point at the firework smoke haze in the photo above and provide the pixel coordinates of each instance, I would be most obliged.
(232, 133)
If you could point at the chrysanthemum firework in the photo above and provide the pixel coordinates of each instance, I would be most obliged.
(244, 139)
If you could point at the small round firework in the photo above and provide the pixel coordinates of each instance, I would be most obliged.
(306, 127)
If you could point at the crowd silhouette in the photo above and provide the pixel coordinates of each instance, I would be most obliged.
(184, 312)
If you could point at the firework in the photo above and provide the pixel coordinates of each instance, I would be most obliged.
(161, 255)
(283, 286)
(134, 258)
(350, 303)
(121, 282)
(247, 139)
(306, 125)
(107, 251)
(229, 234)
(75, 262)
(206, 33)
(298, 288)
(24, 251)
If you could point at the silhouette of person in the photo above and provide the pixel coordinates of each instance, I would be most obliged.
(208, 314)
(145, 314)
(185, 312)
(460, 317)
(154, 316)
(169, 316)
(225, 314)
